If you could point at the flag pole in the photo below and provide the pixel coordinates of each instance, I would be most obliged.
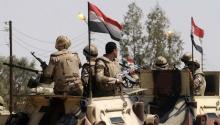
(201, 54)
(89, 39)
(192, 39)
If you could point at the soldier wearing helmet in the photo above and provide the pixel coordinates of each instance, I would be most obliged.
(63, 68)
(161, 63)
(92, 54)
(199, 82)
(107, 69)
(185, 59)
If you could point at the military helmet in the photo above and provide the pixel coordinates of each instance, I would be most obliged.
(161, 62)
(93, 51)
(186, 57)
(1, 101)
(62, 41)
(194, 62)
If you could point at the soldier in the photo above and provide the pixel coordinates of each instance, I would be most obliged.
(199, 82)
(63, 69)
(185, 59)
(161, 63)
(85, 68)
(107, 68)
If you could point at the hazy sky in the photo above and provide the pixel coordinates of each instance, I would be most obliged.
(37, 23)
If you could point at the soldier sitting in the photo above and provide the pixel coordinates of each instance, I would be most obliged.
(63, 69)
(107, 68)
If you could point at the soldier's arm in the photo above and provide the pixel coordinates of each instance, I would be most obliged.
(79, 61)
(48, 72)
(100, 76)
(85, 75)
(197, 81)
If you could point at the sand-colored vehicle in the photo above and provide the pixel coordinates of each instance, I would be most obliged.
(65, 110)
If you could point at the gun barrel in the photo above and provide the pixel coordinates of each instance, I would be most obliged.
(41, 61)
(21, 67)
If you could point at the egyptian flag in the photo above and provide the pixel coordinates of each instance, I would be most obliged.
(99, 22)
(197, 31)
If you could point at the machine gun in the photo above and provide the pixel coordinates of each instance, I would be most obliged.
(43, 64)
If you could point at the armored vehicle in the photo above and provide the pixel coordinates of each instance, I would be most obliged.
(126, 109)
(170, 96)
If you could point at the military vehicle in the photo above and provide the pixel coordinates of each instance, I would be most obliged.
(170, 96)
(125, 109)
(49, 109)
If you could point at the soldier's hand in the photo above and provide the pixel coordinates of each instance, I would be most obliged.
(118, 81)
(112, 80)
(40, 72)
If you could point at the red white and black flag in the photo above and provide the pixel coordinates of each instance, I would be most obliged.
(199, 32)
(99, 22)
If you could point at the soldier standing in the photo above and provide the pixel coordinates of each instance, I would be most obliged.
(86, 68)
(161, 63)
(107, 68)
(63, 69)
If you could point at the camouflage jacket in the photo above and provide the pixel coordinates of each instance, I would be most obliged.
(199, 83)
(106, 73)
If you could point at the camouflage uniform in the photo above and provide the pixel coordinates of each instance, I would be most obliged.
(106, 73)
(199, 82)
(63, 68)
(161, 63)
(85, 68)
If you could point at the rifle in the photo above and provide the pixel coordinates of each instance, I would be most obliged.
(21, 67)
(136, 67)
(43, 64)
(128, 80)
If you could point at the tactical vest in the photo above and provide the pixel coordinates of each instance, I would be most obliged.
(105, 89)
(64, 68)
